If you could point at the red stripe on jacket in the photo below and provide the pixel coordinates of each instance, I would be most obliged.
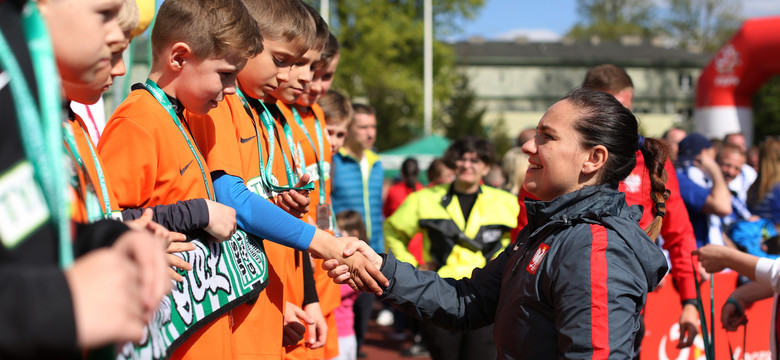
(599, 296)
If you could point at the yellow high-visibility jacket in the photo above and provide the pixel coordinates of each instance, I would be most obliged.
(454, 246)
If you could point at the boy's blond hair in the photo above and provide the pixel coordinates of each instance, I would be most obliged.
(212, 28)
(337, 108)
(128, 16)
(284, 20)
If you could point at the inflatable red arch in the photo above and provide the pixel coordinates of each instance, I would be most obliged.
(735, 73)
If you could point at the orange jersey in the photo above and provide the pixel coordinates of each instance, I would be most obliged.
(311, 155)
(228, 137)
(147, 157)
(150, 163)
(88, 178)
(328, 292)
(295, 290)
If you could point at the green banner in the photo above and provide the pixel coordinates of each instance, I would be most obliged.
(224, 275)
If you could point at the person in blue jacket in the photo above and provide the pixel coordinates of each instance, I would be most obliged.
(573, 284)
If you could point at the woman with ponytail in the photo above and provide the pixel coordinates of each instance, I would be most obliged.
(574, 283)
(642, 187)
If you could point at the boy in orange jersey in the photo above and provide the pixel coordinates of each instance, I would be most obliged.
(198, 48)
(249, 163)
(94, 198)
(304, 151)
(317, 154)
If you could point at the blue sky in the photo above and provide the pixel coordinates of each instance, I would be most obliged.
(546, 20)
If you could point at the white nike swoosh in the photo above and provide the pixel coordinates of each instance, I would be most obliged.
(4, 79)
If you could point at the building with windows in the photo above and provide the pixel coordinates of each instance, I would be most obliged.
(516, 81)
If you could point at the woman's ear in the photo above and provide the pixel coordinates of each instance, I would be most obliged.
(597, 157)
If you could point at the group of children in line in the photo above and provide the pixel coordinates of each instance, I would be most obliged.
(224, 145)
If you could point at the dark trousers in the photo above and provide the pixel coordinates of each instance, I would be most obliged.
(362, 309)
(459, 345)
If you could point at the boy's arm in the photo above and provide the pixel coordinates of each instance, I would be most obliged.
(309, 286)
(259, 216)
(188, 217)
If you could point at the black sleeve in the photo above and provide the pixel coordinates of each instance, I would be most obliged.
(466, 304)
(188, 217)
(95, 235)
(36, 313)
(309, 286)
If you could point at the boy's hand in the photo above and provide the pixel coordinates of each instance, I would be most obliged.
(116, 290)
(147, 253)
(318, 332)
(107, 301)
(293, 329)
(222, 220)
(295, 202)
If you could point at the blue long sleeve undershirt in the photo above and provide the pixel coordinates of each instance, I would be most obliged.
(259, 216)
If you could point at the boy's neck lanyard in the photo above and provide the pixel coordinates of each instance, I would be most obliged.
(292, 177)
(163, 100)
(93, 213)
(267, 170)
(40, 128)
(318, 156)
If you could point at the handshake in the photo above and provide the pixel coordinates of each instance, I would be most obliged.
(351, 261)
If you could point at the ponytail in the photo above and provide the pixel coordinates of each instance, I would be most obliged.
(656, 152)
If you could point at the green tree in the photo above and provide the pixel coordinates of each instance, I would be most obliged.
(499, 136)
(702, 24)
(766, 110)
(610, 19)
(462, 116)
(382, 59)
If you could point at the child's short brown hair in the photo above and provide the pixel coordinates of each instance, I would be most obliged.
(321, 31)
(351, 221)
(212, 28)
(336, 107)
(284, 20)
(329, 52)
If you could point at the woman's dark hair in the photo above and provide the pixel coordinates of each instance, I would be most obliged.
(410, 170)
(605, 121)
(485, 150)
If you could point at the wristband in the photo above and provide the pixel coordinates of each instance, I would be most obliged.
(736, 304)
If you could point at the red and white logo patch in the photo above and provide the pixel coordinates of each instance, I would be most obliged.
(541, 251)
